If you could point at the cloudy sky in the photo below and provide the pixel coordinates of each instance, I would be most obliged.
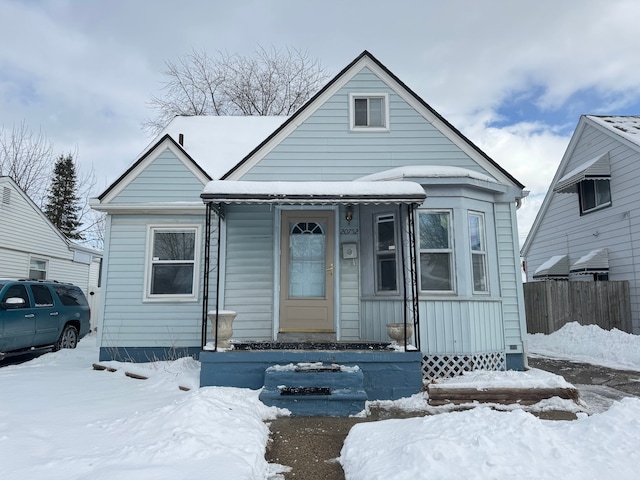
(513, 75)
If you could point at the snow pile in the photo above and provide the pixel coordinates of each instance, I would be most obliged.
(60, 419)
(482, 443)
(483, 379)
(589, 344)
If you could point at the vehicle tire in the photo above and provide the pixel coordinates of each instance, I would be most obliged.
(68, 338)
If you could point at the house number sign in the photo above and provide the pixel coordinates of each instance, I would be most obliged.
(348, 231)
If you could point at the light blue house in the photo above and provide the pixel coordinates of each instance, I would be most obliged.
(364, 208)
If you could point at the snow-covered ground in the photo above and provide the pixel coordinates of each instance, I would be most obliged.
(60, 419)
(484, 443)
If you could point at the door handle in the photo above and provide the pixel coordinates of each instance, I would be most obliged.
(53, 313)
(29, 315)
(330, 269)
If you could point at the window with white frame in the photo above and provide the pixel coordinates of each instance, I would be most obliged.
(37, 269)
(478, 252)
(172, 272)
(436, 251)
(594, 195)
(369, 111)
(386, 254)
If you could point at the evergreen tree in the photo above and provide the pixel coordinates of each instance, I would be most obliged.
(62, 205)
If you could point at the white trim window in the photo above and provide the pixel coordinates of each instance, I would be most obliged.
(369, 112)
(172, 263)
(594, 195)
(478, 245)
(38, 269)
(436, 251)
(386, 254)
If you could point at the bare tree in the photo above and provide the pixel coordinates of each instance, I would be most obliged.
(271, 82)
(27, 158)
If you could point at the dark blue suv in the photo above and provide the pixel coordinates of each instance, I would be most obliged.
(41, 313)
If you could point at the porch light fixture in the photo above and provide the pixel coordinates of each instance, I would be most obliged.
(349, 214)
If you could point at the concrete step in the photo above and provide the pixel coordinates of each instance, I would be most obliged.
(315, 389)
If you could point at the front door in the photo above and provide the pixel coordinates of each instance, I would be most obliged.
(306, 271)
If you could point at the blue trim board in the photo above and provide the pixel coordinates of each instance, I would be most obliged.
(515, 361)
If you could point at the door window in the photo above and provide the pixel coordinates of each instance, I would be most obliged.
(307, 244)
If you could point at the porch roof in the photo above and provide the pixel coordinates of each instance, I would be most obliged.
(313, 193)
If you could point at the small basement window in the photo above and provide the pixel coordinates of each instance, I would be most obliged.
(369, 112)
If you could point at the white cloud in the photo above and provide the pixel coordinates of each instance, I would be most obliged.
(83, 71)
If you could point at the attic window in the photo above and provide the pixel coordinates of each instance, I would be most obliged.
(369, 111)
(6, 195)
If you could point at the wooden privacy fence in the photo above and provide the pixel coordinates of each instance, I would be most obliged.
(550, 304)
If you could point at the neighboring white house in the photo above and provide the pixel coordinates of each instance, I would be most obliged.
(588, 227)
(32, 247)
(366, 207)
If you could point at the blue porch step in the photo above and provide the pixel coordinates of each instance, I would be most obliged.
(315, 389)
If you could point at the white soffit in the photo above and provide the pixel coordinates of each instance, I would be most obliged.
(593, 262)
(595, 169)
(556, 267)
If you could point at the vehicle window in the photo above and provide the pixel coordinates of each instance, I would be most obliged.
(70, 295)
(17, 291)
(42, 296)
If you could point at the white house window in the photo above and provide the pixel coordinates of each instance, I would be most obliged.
(386, 254)
(369, 112)
(172, 263)
(37, 269)
(594, 195)
(478, 252)
(436, 251)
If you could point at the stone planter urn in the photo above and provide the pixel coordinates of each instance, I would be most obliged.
(225, 326)
(396, 331)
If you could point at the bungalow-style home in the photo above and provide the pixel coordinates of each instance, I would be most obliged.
(587, 228)
(32, 247)
(364, 208)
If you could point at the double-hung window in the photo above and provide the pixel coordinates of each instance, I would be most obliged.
(172, 272)
(478, 252)
(37, 269)
(436, 251)
(369, 112)
(386, 254)
(594, 195)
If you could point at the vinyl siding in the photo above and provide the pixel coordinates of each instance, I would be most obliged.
(447, 326)
(324, 148)
(166, 179)
(563, 231)
(25, 234)
(249, 270)
(349, 277)
(510, 277)
(128, 320)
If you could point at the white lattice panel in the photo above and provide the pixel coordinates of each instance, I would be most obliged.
(438, 366)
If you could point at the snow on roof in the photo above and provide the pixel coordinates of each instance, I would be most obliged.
(627, 127)
(558, 265)
(424, 171)
(315, 192)
(218, 143)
